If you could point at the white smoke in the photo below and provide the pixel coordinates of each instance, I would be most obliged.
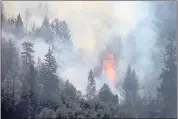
(92, 25)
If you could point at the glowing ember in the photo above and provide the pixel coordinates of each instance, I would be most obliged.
(108, 66)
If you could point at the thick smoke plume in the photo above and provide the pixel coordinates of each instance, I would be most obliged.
(95, 26)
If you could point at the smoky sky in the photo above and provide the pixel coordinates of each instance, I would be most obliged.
(95, 26)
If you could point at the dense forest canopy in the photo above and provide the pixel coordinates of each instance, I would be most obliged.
(96, 60)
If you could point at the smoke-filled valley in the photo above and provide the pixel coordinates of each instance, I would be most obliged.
(88, 59)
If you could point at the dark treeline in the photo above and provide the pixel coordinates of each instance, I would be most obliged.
(34, 90)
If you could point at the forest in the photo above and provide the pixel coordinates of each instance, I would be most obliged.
(34, 89)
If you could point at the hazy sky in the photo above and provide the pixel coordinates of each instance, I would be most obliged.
(89, 20)
(92, 23)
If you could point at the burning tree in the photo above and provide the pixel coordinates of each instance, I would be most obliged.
(108, 66)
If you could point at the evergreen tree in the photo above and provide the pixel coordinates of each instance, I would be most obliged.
(105, 95)
(13, 57)
(26, 54)
(70, 91)
(39, 64)
(126, 84)
(48, 76)
(10, 92)
(13, 68)
(167, 90)
(10, 70)
(4, 57)
(69, 95)
(50, 63)
(91, 87)
(27, 58)
(7, 92)
(19, 27)
(166, 27)
(33, 31)
(130, 87)
(135, 86)
(45, 30)
(19, 22)
(10, 25)
(10, 59)
(33, 86)
(60, 30)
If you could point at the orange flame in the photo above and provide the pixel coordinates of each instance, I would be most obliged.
(108, 66)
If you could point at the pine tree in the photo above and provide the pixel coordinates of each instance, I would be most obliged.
(46, 23)
(135, 86)
(27, 55)
(32, 81)
(39, 64)
(19, 22)
(48, 76)
(13, 68)
(29, 80)
(166, 27)
(10, 92)
(69, 92)
(55, 25)
(29, 105)
(105, 95)
(19, 27)
(50, 63)
(10, 71)
(9, 58)
(61, 31)
(4, 56)
(126, 84)
(10, 25)
(130, 87)
(7, 95)
(27, 58)
(91, 87)
(167, 90)
(34, 30)
(45, 30)
(13, 57)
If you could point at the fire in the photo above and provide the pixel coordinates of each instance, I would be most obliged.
(108, 66)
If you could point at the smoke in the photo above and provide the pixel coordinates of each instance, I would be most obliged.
(93, 26)
(140, 54)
